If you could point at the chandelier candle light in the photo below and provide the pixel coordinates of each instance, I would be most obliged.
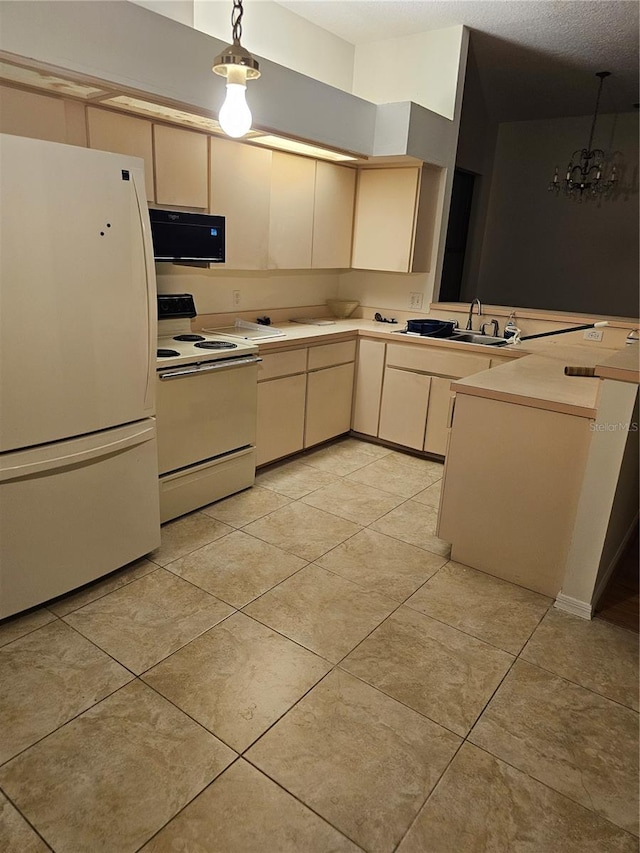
(237, 65)
(584, 178)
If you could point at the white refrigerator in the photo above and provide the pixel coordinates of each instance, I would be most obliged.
(78, 454)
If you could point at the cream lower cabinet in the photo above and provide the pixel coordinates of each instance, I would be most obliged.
(298, 409)
(329, 391)
(416, 394)
(437, 432)
(368, 386)
(282, 389)
(280, 429)
(403, 412)
(329, 395)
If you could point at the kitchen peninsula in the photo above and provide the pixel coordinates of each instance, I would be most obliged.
(541, 484)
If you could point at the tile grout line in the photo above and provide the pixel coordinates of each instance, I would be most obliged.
(27, 821)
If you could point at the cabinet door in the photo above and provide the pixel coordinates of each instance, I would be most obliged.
(291, 211)
(280, 428)
(403, 414)
(333, 216)
(181, 167)
(33, 115)
(241, 192)
(329, 395)
(369, 370)
(123, 135)
(436, 434)
(385, 219)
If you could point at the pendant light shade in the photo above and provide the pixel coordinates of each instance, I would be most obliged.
(237, 65)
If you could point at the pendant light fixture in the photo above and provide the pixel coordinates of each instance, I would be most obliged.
(237, 65)
(585, 176)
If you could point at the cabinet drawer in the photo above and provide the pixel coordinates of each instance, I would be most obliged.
(428, 360)
(329, 354)
(282, 364)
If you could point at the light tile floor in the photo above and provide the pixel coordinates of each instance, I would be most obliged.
(301, 668)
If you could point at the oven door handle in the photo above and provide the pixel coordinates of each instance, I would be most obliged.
(208, 367)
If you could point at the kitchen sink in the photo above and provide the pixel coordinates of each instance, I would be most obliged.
(476, 338)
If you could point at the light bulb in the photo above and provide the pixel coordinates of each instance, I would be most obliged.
(235, 115)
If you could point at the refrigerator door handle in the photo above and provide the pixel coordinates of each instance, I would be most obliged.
(80, 457)
(143, 213)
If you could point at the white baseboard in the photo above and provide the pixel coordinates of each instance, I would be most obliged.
(573, 605)
(604, 580)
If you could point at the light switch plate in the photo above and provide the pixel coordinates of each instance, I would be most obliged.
(415, 300)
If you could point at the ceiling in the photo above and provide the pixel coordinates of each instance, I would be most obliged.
(535, 58)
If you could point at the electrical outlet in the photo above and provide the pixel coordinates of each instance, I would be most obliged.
(415, 301)
(235, 298)
(593, 335)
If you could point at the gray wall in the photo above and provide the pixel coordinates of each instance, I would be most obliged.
(539, 251)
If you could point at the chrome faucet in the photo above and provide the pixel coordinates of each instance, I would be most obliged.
(494, 325)
(477, 302)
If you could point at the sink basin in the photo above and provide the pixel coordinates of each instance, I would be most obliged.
(476, 338)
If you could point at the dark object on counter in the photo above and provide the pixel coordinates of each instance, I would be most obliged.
(432, 328)
(263, 321)
(380, 319)
(572, 370)
(565, 331)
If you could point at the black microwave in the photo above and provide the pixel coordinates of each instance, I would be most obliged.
(180, 236)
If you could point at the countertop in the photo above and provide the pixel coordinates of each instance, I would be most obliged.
(623, 365)
(532, 373)
(539, 381)
(297, 334)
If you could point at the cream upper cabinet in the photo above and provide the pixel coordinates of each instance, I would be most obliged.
(240, 190)
(122, 134)
(396, 218)
(333, 216)
(181, 162)
(291, 211)
(41, 117)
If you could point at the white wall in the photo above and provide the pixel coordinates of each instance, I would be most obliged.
(422, 68)
(540, 251)
(274, 32)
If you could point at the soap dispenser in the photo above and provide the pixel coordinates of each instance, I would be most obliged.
(510, 329)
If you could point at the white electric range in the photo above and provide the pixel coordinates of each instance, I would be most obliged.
(206, 400)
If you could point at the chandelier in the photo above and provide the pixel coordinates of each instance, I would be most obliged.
(586, 172)
(237, 65)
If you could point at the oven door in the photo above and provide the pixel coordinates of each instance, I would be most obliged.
(206, 410)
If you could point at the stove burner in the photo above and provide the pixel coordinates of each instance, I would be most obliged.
(166, 353)
(188, 338)
(216, 345)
